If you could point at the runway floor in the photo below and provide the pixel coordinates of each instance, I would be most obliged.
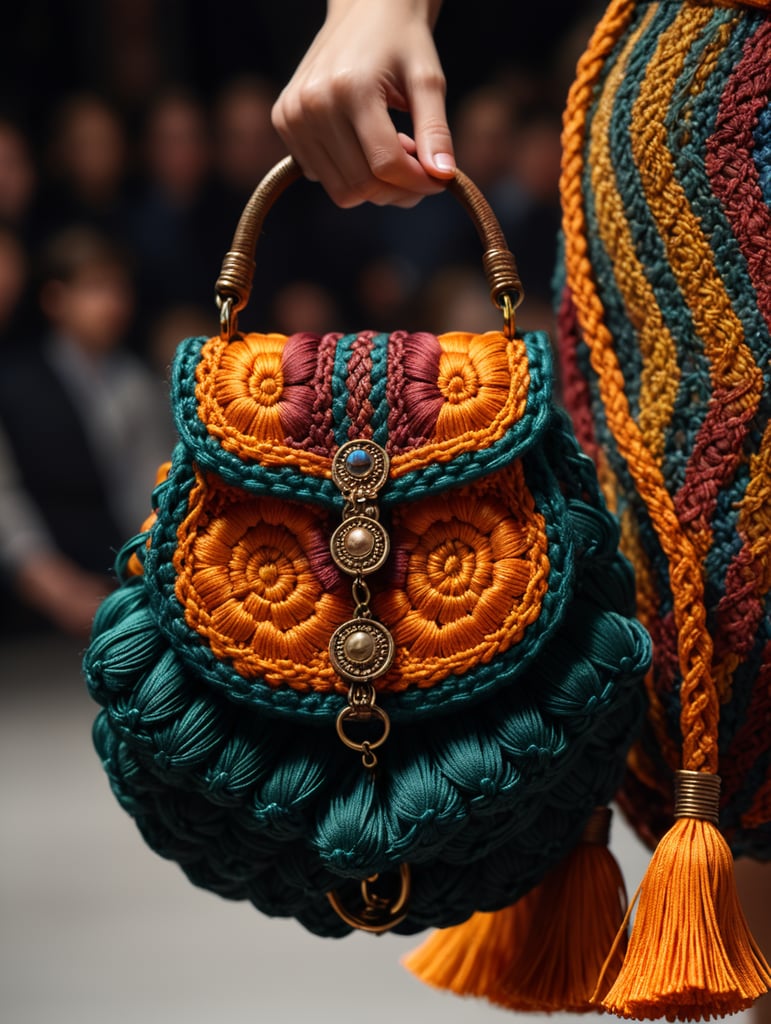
(95, 929)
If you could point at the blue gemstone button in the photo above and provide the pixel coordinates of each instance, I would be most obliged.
(358, 462)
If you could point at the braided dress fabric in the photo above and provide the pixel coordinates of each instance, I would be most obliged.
(665, 340)
(515, 689)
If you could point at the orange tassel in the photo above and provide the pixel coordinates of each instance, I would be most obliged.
(469, 959)
(545, 952)
(579, 912)
(691, 954)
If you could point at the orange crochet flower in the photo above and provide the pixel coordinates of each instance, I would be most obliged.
(474, 380)
(256, 395)
(469, 576)
(256, 579)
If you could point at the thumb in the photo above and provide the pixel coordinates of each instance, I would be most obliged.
(432, 134)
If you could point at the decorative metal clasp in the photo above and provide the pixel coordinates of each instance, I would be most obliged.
(362, 649)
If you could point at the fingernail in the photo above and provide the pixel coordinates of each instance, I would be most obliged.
(444, 162)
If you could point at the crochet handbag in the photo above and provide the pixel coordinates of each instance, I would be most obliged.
(372, 662)
(665, 339)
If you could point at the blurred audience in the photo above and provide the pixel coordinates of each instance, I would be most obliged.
(246, 145)
(84, 426)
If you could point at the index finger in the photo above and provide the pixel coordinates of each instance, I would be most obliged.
(383, 150)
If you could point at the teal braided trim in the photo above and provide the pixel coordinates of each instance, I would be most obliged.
(292, 484)
(340, 417)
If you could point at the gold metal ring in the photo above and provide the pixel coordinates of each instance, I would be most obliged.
(378, 913)
(363, 714)
(508, 306)
(227, 316)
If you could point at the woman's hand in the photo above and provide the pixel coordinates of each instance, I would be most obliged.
(370, 55)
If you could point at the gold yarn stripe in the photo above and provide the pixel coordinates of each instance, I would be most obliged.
(688, 250)
(660, 376)
(694, 643)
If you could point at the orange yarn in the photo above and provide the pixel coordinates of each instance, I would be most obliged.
(246, 582)
(255, 578)
(576, 915)
(239, 387)
(474, 579)
(473, 407)
(659, 374)
(470, 959)
(695, 647)
(473, 417)
(690, 954)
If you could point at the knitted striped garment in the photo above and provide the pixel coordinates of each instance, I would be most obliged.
(665, 349)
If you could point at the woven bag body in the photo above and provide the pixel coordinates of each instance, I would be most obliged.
(514, 689)
(666, 363)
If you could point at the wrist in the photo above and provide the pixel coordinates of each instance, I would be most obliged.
(427, 10)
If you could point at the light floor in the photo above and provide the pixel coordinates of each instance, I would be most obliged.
(95, 929)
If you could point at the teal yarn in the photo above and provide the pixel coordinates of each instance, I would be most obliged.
(488, 776)
(479, 816)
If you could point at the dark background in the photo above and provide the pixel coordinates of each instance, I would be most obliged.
(127, 49)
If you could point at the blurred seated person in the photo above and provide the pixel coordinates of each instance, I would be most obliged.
(14, 315)
(246, 146)
(176, 262)
(18, 180)
(86, 180)
(83, 426)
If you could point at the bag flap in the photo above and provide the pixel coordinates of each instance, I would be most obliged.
(268, 412)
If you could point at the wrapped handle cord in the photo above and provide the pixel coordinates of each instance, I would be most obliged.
(234, 283)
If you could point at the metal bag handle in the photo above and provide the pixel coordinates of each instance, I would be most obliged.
(234, 283)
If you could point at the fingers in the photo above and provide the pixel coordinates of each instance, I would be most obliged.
(432, 134)
(352, 148)
(334, 115)
(385, 157)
